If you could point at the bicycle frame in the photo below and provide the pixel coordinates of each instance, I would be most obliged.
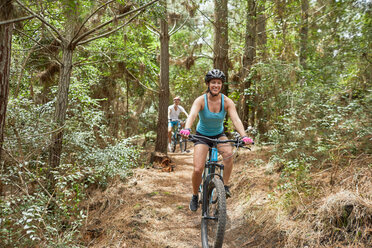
(177, 138)
(176, 129)
(213, 195)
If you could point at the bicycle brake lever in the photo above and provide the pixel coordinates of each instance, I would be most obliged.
(241, 144)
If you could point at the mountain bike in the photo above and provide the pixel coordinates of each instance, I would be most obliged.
(213, 195)
(177, 138)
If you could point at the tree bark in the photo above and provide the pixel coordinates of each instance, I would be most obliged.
(261, 30)
(304, 31)
(221, 45)
(248, 59)
(261, 45)
(61, 106)
(62, 93)
(162, 137)
(6, 32)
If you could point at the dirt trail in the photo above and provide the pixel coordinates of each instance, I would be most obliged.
(151, 210)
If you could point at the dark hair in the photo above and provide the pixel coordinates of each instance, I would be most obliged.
(215, 74)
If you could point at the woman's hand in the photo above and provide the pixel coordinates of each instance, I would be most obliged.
(247, 140)
(185, 132)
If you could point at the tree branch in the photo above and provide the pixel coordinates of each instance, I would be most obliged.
(152, 29)
(202, 37)
(110, 21)
(60, 37)
(59, 62)
(138, 81)
(94, 12)
(183, 24)
(28, 171)
(174, 26)
(17, 20)
(109, 32)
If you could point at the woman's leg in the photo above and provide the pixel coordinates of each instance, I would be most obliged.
(200, 154)
(226, 152)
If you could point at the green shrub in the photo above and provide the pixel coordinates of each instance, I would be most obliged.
(30, 214)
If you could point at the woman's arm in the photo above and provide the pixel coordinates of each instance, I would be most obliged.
(195, 108)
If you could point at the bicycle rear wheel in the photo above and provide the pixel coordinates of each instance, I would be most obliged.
(214, 215)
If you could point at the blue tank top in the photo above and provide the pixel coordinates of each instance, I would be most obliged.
(211, 124)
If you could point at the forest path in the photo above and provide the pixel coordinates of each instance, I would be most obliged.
(151, 209)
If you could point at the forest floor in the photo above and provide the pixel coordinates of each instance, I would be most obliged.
(150, 208)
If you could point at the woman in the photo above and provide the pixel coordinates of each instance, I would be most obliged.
(173, 114)
(212, 108)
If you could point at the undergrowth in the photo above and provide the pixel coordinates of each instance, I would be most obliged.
(321, 132)
(31, 213)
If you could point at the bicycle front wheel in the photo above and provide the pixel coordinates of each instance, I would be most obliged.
(214, 215)
(182, 144)
(174, 143)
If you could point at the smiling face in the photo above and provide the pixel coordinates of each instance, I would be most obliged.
(215, 86)
(177, 101)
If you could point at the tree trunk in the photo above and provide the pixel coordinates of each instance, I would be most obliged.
(61, 108)
(304, 31)
(221, 45)
(72, 13)
(248, 59)
(261, 46)
(162, 137)
(6, 32)
(261, 30)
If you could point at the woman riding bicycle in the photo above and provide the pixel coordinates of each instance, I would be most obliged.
(174, 111)
(211, 108)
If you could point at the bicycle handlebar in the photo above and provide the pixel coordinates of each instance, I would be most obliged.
(237, 142)
(180, 120)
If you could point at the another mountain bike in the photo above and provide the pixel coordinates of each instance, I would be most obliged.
(177, 138)
(213, 195)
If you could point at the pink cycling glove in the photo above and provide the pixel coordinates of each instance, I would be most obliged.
(185, 132)
(247, 140)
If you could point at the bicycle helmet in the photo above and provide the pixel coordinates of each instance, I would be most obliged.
(213, 74)
(177, 98)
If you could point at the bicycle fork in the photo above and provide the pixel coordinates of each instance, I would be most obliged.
(208, 174)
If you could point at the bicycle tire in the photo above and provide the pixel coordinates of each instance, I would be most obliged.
(174, 144)
(213, 230)
(182, 145)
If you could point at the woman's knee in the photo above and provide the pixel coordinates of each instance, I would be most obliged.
(227, 155)
(198, 169)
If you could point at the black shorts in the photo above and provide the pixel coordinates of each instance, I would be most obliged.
(206, 141)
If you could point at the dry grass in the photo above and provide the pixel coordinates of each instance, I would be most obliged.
(151, 209)
(337, 214)
(344, 218)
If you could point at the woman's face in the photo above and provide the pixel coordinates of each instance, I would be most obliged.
(215, 86)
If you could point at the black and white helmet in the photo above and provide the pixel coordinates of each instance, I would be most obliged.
(213, 74)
